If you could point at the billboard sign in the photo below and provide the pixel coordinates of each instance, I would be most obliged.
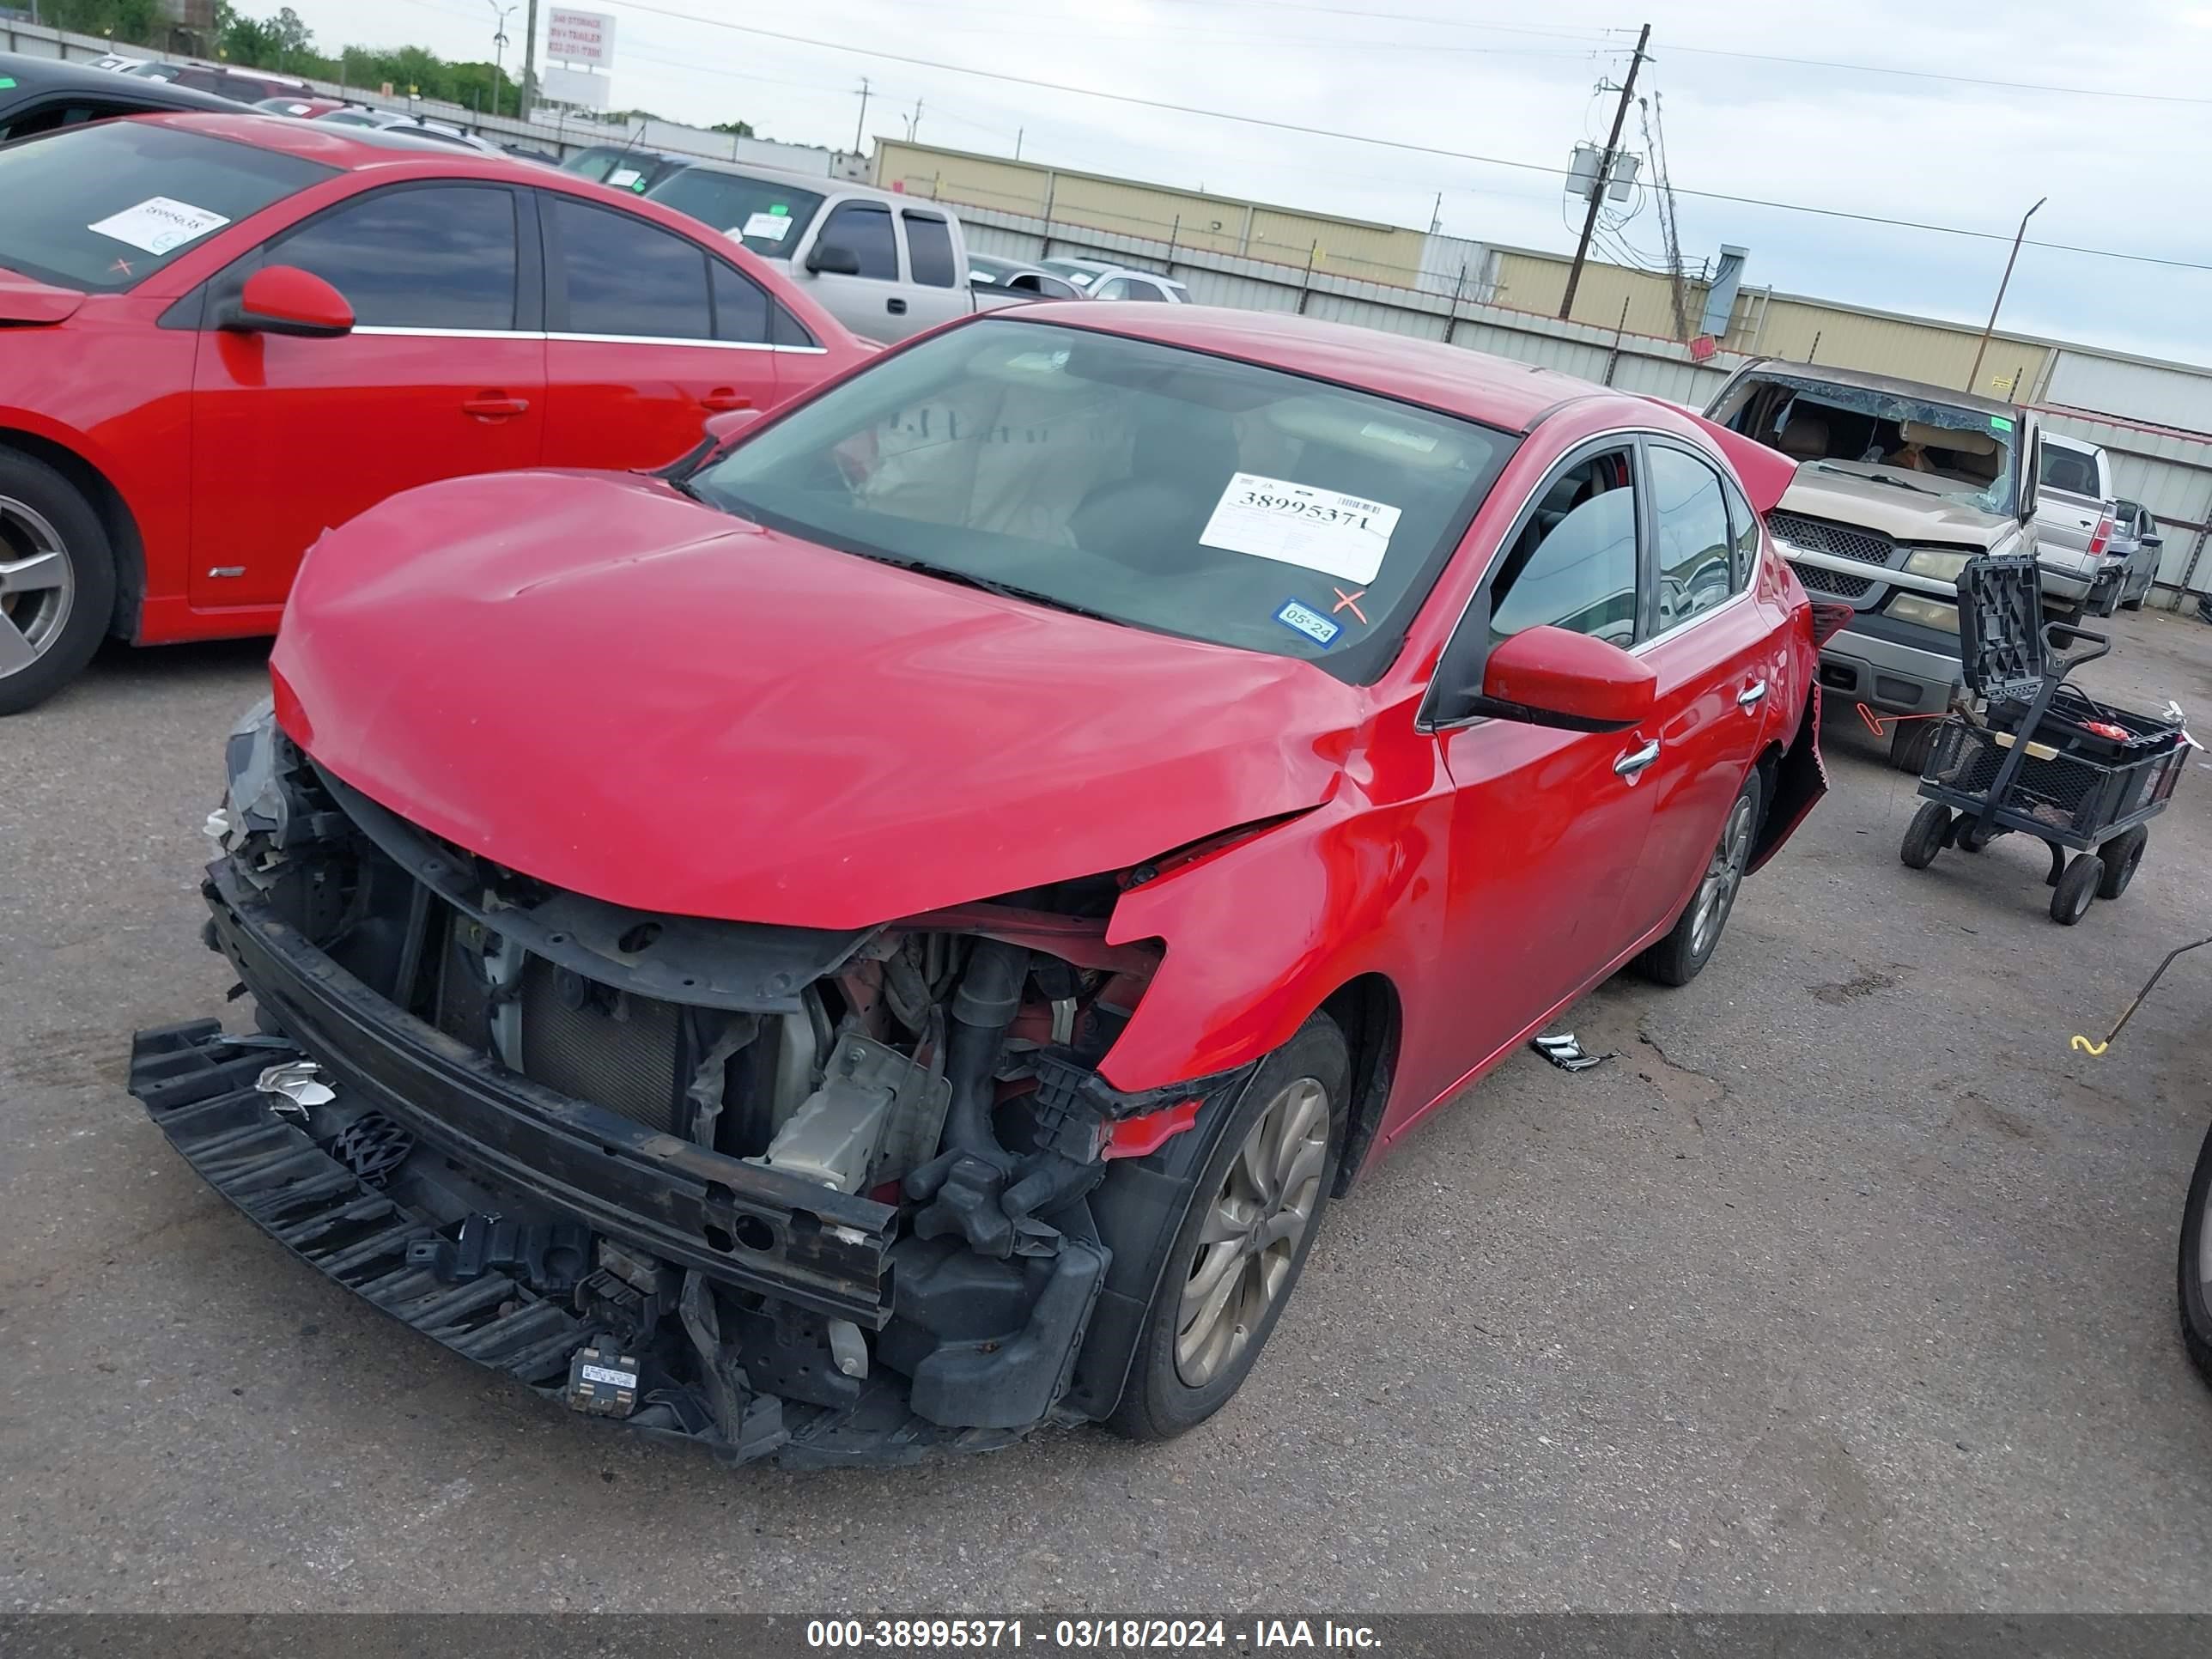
(581, 37)
(581, 87)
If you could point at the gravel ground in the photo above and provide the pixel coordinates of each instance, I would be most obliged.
(1844, 1286)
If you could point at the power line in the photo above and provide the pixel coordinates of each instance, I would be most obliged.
(1405, 145)
(1932, 75)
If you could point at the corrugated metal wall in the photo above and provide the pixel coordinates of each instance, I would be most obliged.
(2151, 392)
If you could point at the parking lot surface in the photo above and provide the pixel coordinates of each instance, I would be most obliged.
(1844, 1285)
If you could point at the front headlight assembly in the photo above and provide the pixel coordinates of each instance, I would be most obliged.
(1927, 613)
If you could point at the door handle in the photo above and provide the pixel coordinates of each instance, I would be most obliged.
(724, 398)
(493, 405)
(1751, 695)
(1632, 764)
(896, 306)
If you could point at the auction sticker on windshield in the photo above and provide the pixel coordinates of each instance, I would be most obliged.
(158, 225)
(770, 226)
(1323, 530)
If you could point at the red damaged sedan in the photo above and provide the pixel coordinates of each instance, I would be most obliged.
(891, 932)
(224, 333)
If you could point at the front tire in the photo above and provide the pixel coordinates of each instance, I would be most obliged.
(2123, 856)
(2193, 1268)
(1923, 836)
(57, 582)
(1249, 1218)
(1911, 745)
(2077, 888)
(1681, 955)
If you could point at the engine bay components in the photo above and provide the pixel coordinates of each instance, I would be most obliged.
(877, 1114)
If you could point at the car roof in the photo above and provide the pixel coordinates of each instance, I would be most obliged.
(1492, 390)
(2078, 445)
(821, 183)
(348, 147)
(1896, 384)
(38, 75)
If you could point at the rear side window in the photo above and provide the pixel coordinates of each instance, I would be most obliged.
(104, 206)
(1691, 524)
(865, 228)
(1573, 565)
(741, 308)
(929, 249)
(625, 277)
(439, 256)
(1744, 524)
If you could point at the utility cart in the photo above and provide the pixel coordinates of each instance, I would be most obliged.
(2045, 759)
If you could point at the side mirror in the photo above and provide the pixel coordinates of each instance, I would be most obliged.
(2153, 541)
(721, 427)
(1555, 676)
(285, 299)
(833, 259)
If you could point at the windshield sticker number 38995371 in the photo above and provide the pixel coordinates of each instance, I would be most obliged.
(1324, 530)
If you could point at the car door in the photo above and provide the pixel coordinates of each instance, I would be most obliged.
(1548, 826)
(933, 294)
(444, 374)
(647, 334)
(872, 301)
(1712, 645)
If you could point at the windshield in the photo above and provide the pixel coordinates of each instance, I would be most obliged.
(104, 206)
(767, 216)
(1077, 271)
(1162, 488)
(1964, 455)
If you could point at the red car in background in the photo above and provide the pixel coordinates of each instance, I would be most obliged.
(224, 334)
(920, 907)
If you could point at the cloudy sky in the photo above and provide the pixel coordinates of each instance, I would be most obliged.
(2124, 171)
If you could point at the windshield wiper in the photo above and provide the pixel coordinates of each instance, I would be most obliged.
(1877, 478)
(1004, 590)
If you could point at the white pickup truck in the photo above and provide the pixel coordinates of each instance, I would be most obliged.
(884, 264)
(2076, 513)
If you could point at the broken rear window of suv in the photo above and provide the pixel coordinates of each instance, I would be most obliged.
(1162, 488)
(104, 206)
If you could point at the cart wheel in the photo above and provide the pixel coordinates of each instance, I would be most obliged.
(1923, 836)
(1911, 745)
(1966, 837)
(2121, 855)
(2077, 889)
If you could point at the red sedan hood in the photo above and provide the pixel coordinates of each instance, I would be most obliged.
(595, 681)
(23, 300)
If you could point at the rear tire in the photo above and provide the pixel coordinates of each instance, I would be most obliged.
(2193, 1271)
(57, 582)
(2077, 888)
(1911, 745)
(1923, 836)
(1681, 955)
(2121, 855)
(1188, 1364)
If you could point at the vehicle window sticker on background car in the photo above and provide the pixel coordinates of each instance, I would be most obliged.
(773, 226)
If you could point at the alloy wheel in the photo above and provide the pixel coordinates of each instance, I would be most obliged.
(1723, 875)
(1252, 1231)
(37, 585)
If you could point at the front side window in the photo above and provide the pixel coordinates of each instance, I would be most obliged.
(439, 256)
(1116, 288)
(865, 228)
(1164, 489)
(768, 217)
(929, 249)
(104, 206)
(624, 277)
(1573, 563)
(1690, 525)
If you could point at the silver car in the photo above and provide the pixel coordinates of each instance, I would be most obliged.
(2134, 538)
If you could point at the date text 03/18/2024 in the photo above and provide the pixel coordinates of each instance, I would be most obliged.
(1086, 1635)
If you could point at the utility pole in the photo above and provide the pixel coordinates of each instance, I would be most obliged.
(861, 126)
(530, 64)
(1437, 215)
(913, 121)
(1604, 178)
(2020, 235)
(1018, 131)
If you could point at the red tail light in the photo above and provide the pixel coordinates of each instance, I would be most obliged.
(2104, 534)
(1829, 620)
